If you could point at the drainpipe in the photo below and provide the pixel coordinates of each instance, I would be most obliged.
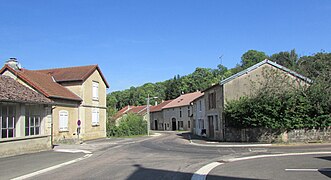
(52, 108)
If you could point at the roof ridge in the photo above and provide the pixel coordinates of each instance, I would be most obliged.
(92, 65)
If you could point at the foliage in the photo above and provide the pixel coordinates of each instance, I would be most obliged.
(129, 125)
(252, 57)
(282, 104)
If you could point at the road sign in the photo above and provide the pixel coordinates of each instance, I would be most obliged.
(79, 123)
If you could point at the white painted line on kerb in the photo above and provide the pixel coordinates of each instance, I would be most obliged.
(302, 170)
(73, 151)
(52, 168)
(202, 173)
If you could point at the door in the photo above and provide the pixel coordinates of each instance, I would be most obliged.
(211, 126)
(174, 128)
(156, 127)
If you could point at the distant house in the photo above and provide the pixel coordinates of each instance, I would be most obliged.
(78, 93)
(199, 122)
(241, 84)
(178, 113)
(157, 118)
(138, 110)
(25, 118)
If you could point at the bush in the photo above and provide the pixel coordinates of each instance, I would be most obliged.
(129, 125)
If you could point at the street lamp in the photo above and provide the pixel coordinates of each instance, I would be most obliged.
(148, 114)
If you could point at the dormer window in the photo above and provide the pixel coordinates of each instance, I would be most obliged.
(95, 90)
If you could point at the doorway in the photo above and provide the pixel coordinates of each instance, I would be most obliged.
(211, 126)
(174, 128)
(155, 125)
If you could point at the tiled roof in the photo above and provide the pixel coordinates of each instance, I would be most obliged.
(183, 100)
(69, 74)
(44, 83)
(160, 106)
(12, 91)
(140, 110)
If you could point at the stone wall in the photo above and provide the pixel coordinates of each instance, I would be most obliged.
(269, 136)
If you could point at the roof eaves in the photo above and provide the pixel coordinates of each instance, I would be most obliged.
(25, 79)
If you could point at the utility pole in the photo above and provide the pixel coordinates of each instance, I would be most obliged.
(148, 116)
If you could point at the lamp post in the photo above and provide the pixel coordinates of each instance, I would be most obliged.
(148, 114)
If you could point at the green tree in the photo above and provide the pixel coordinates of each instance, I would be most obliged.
(252, 57)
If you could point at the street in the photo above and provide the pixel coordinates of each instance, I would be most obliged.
(171, 156)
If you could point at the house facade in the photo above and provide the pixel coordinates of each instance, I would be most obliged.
(25, 117)
(178, 114)
(244, 83)
(199, 123)
(78, 93)
(157, 117)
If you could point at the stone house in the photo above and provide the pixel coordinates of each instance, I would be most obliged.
(178, 113)
(241, 84)
(25, 117)
(78, 93)
(138, 110)
(157, 118)
(199, 111)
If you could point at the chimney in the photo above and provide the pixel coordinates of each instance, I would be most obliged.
(13, 63)
(155, 103)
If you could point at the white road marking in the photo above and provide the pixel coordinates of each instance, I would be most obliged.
(302, 170)
(73, 151)
(202, 173)
(52, 168)
(232, 145)
(310, 170)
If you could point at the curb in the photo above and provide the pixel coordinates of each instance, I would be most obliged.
(230, 145)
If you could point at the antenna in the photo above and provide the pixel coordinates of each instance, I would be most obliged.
(221, 62)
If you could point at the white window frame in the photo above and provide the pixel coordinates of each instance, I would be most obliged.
(95, 117)
(63, 120)
(7, 131)
(32, 120)
(95, 90)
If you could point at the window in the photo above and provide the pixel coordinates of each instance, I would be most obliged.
(200, 106)
(180, 125)
(188, 111)
(212, 100)
(7, 117)
(95, 117)
(180, 112)
(189, 124)
(63, 120)
(95, 90)
(216, 122)
(32, 121)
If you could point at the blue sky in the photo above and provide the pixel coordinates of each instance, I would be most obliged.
(135, 42)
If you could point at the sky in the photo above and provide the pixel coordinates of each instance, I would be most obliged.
(139, 41)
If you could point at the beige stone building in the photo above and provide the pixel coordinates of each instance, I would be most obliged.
(78, 93)
(178, 113)
(157, 117)
(241, 84)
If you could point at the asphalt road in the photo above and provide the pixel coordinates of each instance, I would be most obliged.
(170, 156)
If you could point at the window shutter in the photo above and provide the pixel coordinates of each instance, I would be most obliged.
(63, 121)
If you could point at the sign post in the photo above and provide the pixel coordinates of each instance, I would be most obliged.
(78, 128)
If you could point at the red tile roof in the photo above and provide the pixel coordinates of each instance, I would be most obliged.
(183, 100)
(140, 110)
(43, 83)
(160, 106)
(12, 91)
(69, 74)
